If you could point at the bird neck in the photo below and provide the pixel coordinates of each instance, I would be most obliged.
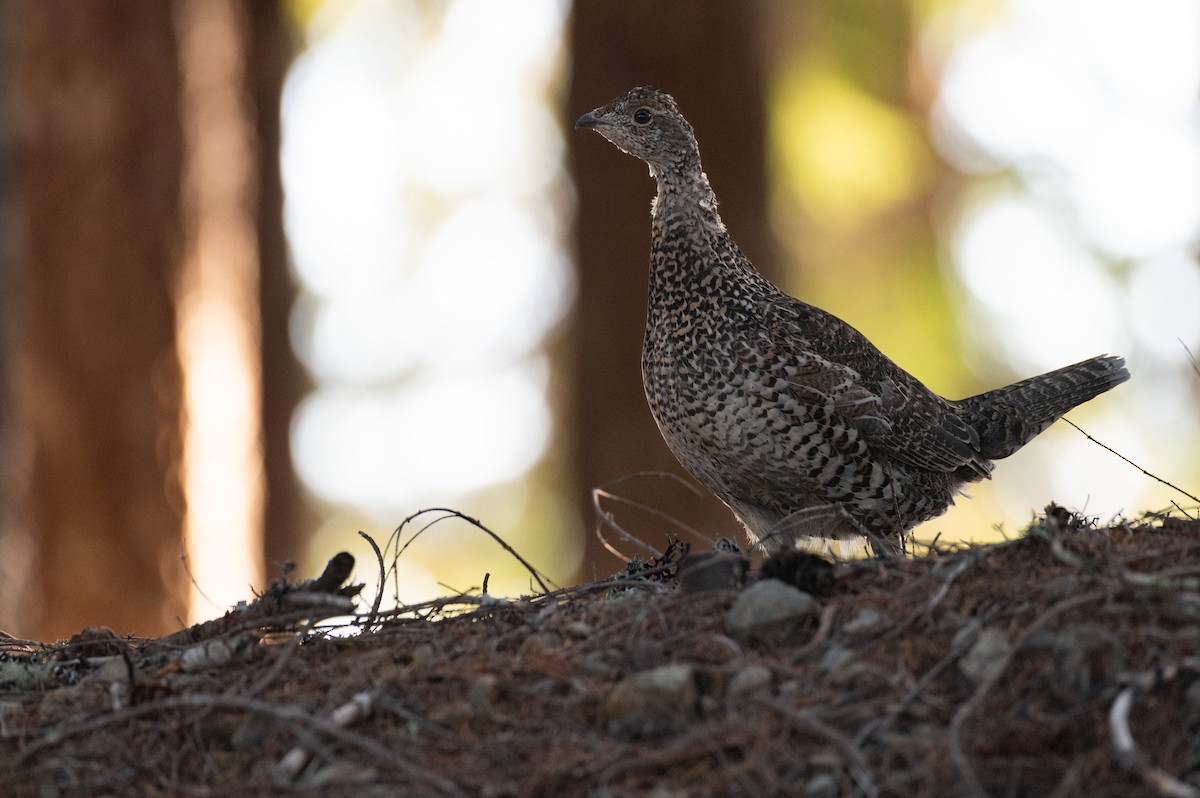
(685, 191)
(693, 257)
(692, 252)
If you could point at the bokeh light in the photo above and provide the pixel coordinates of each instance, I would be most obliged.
(426, 204)
(1080, 123)
(427, 207)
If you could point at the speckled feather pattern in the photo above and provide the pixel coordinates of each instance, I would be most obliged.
(787, 413)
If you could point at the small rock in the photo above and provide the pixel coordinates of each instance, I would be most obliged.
(342, 774)
(1192, 694)
(802, 569)
(835, 658)
(539, 618)
(254, 729)
(770, 611)
(603, 664)
(109, 669)
(209, 654)
(663, 791)
(422, 655)
(539, 642)
(986, 655)
(482, 693)
(794, 688)
(710, 705)
(749, 684)
(451, 714)
(827, 759)
(822, 785)
(964, 638)
(918, 710)
(864, 621)
(667, 691)
(578, 630)
(708, 571)
(853, 673)
(550, 687)
(644, 653)
(498, 790)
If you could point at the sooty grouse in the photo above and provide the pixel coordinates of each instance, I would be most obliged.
(787, 413)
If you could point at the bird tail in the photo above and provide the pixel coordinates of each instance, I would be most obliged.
(1008, 418)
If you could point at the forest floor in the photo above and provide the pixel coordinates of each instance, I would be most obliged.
(1060, 663)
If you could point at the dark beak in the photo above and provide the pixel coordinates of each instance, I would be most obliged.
(589, 120)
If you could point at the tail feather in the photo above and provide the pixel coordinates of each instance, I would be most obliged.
(1008, 418)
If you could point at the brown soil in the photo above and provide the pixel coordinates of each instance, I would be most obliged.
(1011, 669)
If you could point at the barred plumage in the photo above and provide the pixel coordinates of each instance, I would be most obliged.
(787, 413)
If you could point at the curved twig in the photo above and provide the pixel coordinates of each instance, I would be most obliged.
(1129, 757)
(448, 514)
(382, 579)
(607, 519)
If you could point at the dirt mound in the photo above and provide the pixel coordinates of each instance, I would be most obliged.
(1059, 663)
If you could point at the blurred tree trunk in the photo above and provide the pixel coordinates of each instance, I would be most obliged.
(94, 422)
(105, 220)
(286, 515)
(707, 55)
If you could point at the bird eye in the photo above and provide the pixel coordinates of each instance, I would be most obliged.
(641, 116)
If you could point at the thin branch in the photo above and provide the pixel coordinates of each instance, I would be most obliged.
(1135, 465)
(1191, 357)
(187, 570)
(382, 579)
(606, 490)
(359, 707)
(1184, 512)
(448, 514)
(610, 521)
(1129, 757)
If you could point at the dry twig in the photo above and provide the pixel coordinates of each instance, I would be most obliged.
(985, 685)
(1129, 757)
(1135, 465)
(448, 514)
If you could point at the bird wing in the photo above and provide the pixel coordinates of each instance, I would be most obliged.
(890, 408)
(924, 430)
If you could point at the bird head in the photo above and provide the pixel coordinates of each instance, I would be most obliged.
(646, 123)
